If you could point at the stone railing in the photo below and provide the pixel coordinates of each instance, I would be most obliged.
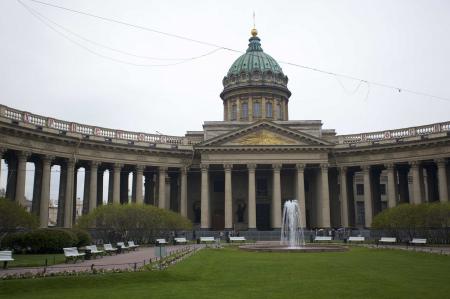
(394, 134)
(61, 125)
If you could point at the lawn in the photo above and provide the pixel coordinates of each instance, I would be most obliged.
(230, 273)
(35, 260)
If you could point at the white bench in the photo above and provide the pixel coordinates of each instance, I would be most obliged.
(71, 253)
(132, 245)
(161, 241)
(109, 249)
(180, 240)
(5, 257)
(356, 239)
(122, 246)
(322, 239)
(417, 241)
(237, 239)
(207, 239)
(388, 240)
(94, 251)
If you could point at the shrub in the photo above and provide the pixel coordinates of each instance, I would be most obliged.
(132, 221)
(83, 237)
(13, 216)
(44, 240)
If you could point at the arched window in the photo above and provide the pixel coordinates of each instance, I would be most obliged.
(279, 112)
(233, 112)
(256, 109)
(244, 110)
(269, 112)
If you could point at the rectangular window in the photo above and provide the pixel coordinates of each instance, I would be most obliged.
(256, 109)
(359, 189)
(233, 112)
(244, 112)
(382, 189)
(269, 109)
(360, 215)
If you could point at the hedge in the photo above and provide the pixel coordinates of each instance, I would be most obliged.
(45, 240)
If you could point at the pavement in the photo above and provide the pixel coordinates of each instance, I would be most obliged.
(130, 260)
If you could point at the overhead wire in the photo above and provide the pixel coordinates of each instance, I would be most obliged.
(43, 20)
(217, 46)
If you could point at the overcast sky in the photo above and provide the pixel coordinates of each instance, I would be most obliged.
(400, 43)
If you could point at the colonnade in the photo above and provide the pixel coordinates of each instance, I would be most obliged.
(328, 181)
(93, 184)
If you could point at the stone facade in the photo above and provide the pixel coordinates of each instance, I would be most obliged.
(236, 173)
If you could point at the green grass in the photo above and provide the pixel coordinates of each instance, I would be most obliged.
(35, 260)
(230, 273)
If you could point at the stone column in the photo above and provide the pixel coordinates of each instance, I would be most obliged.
(392, 188)
(68, 201)
(162, 187)
(2, 151)
(228, 197)
(139, 177)
(300, 190)
(251, 196)
(367, 196)
(183, 191)
(93, 185)
(205, 218)
(45, 191)
(37, 186)
(417, 182)
(62, 195)
(324, 196)
(344, 196)
(276, 197)
(21, 174)
(442, 180)
(116, 183)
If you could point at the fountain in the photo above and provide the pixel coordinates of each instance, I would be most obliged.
(292, 235)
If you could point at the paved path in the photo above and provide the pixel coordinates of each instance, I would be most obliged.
(119, 261)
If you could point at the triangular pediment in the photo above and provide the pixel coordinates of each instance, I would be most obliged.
(264, 133)
(263, 137)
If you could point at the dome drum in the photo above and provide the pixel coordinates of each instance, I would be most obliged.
(255, 74)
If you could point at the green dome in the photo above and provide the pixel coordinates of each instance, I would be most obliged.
(254, 60)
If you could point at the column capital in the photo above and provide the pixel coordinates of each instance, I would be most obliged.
(47, 159)
(140, 168)
(162, 168)
(389, 166)
(228, 167)
(184, 169)
(23, 155)
(117, 166)
(2, 150)
(365, 168)
(204, 167)
(251, 166)
(414, 164)
(342, 169)
(277, 166)
(440, 162)
(71, 162)
(300, 167)
(94, 163)
(324, 166)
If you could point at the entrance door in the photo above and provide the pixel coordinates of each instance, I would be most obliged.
(218, 220)
(263, 216)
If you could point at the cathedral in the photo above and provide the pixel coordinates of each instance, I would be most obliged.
(237, 172)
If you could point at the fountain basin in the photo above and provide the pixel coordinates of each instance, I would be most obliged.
(308, 248)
